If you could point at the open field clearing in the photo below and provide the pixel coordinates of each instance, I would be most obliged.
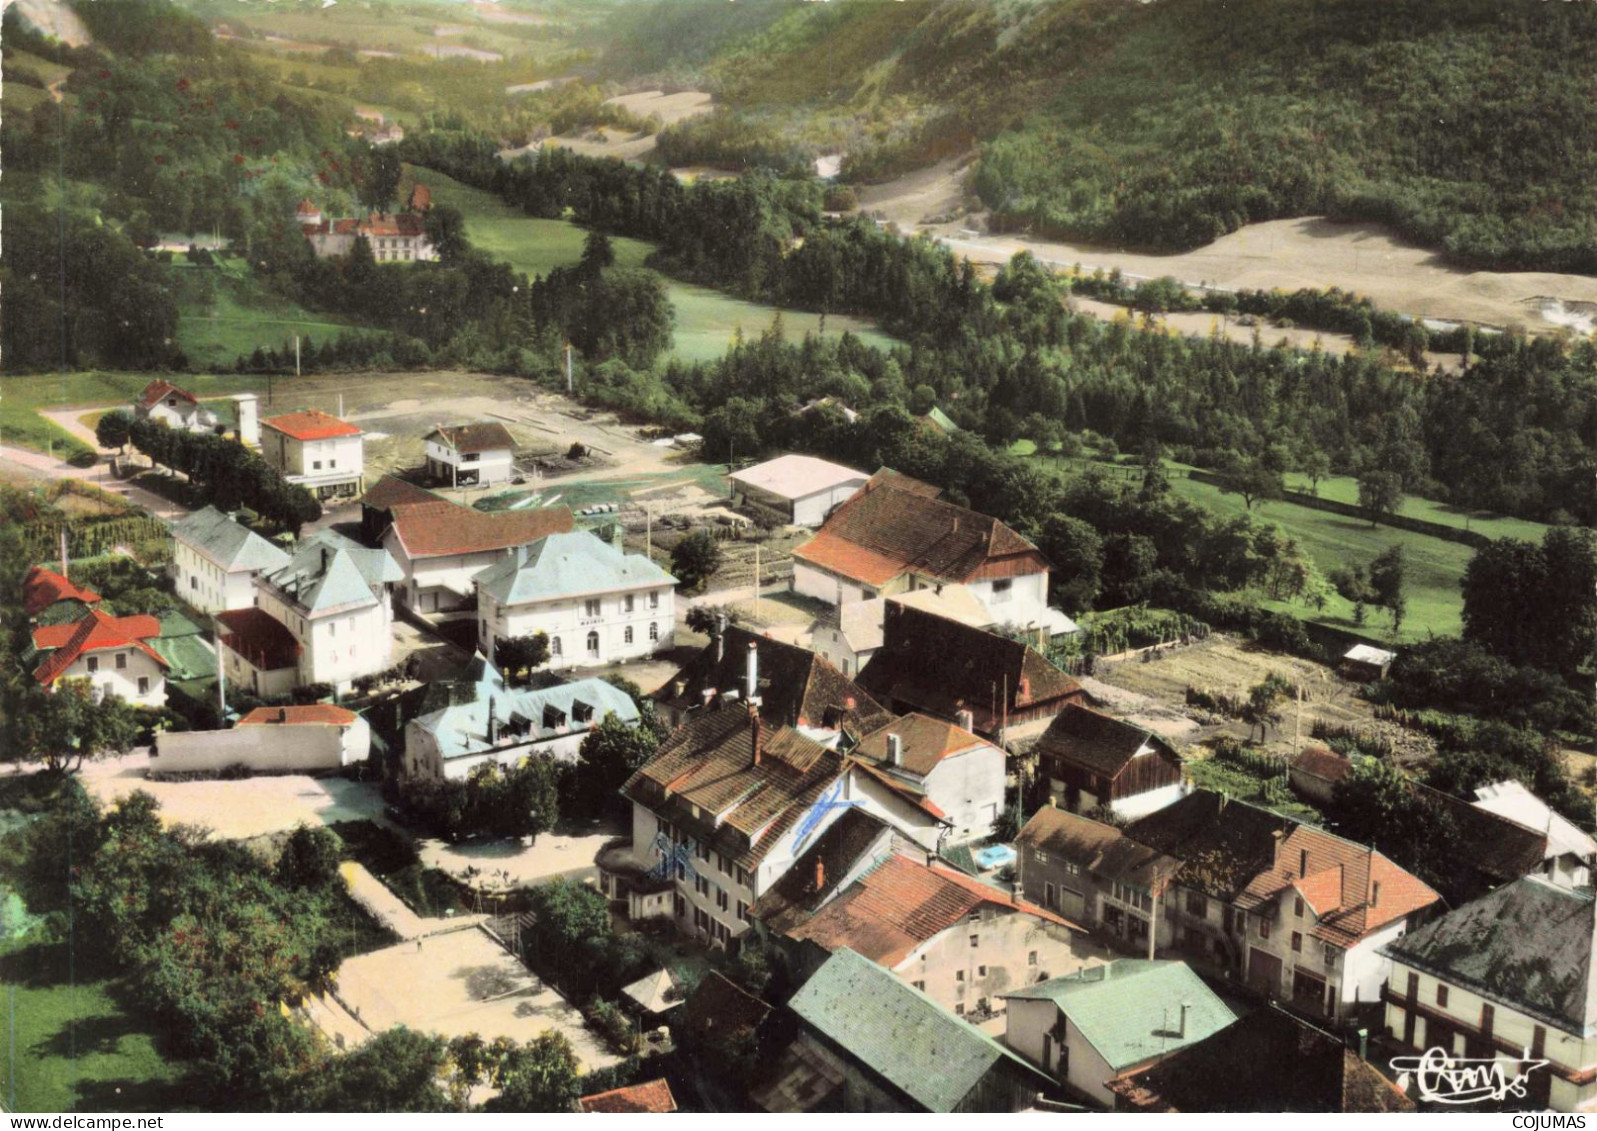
(706, 320)
(626, 146)
(224, 311)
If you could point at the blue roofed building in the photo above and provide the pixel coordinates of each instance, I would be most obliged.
(490, 723)
(597, 603)
(215, 561)
(1105, 1022)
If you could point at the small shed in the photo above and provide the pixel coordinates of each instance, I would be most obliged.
(801, 490)
(1366, 663)
(654, 995)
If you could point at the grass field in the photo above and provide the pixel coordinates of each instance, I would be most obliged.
(74, 1047)
(706, 320)
(1345, 489)
(225, 311)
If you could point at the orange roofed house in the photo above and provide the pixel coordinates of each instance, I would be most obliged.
(895, 537)
(394, 237)
(320, 452)
(112, 653)
(959, 940)
(724, 808)
(652, 1097)
(50, 598)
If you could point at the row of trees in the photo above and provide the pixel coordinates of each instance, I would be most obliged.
(226, 473)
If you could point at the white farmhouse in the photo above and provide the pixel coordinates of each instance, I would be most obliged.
(500, 726)
(800, 490)
(471, 454)
(172, 406)
(596, 603)
(112, 653)
(442, 546)
(849, 635)
(320, 452)
(961, 774)
(332, 615)
(215, 561)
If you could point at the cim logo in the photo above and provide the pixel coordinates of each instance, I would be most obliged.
(1442, 1078)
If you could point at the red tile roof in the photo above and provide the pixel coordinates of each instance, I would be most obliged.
(311, 425)
(306, 208)
(440, 527)
(901, 903)
(157, 391)
(315, 714)
(400, 224)
(42, 588)
(96, 632)
(652, 1096)
(390, 491)
(884, 527)
(926, 742)
(260, 638)
(1320, 762)
(484, 436)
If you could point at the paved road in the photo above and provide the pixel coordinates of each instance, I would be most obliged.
(368, 891)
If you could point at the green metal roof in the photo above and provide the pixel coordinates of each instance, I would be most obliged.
(568, 564)
(940, 418)
(898, 1032)
(225, 542)
(1130, 1010)
(321, 577)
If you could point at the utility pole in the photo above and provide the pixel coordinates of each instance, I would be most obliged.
(296, 355)
(221, 673)
(756, 581)
(568, 369)
(648, 531)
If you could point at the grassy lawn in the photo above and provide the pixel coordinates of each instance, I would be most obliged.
(1345, 489)
(74, 1046)
(706, 320)
(225, 311)
(22, 397)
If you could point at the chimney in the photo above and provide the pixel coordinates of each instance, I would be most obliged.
(707, 694)
(1363, 1036)
(521, 555)
(326, 554)
(956, 524)
(1275, 855)
(1375, 894)
(751, 673)
(720, 638)
(754, 732)
(493, 723)
(1181, 1031)
(1303, 861)
(964, 720)
(895, 750)
(65, 563)
(679, 688)
(820, 873)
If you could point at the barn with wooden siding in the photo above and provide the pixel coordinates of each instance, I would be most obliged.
(1094, 759)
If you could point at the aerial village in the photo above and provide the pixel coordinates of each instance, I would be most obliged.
(865, 823)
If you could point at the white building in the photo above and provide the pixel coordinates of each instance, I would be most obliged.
(888, 539)
(800, 490)
(215, 561)
(310, 739)
(172, 406)
(333, 619)
(1508, 978)
(441, 547)
(501, 726)
(1569, 852)
(961, 774)
(471, 454)
(322, 453)
(1105, 1022)
(849, 635)
(727, 806)
(112, 653)
(597, 604)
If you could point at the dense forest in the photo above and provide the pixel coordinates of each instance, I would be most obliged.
(1169, 124)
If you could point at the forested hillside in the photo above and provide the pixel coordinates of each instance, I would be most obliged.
(1168, 124)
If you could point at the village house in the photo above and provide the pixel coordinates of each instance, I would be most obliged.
(726, 806)
(887, 540)
(988, 684)
(112, 653)
(1508, 977)
(1092, 759)
(1315, 771)
(1365, 663)
(500, 725)
(794, 686)
(442, 548)
(1298, 913)
(325, 617)
(393, 237)
(798, 490)
(322, 453)
(961, 774)
(1489, 849)
(1113, 1020)
(215, 561)
(164, 402)
(471, 455)
(50, 598)
(652, 1097)
(1093, 873)
(596, 603)
(383, 499)
(316, 738)
(1567, 852)
(1269, 1061)
(961, 941)
(849, 635)
(870, 1042)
